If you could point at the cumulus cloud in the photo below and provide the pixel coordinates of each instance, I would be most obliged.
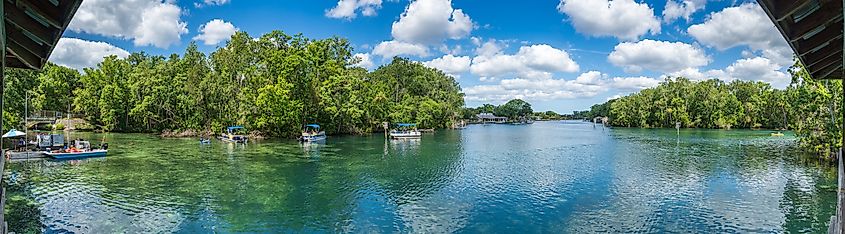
(744, 25)
(531, 62)
(146, 22)
(681, 9)
(546, 89)
(364, 61)
(450, 64)
(634, 83)
(623, 19)
(758, 69)
(215, 31)
(430, 22)
(657, 56)
(388, 49)
(588, 84)
(349, 9)
(753, 69)
(78, 54)
(489, 48)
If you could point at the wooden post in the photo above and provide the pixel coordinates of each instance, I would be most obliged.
(840, 195)
(839, 227)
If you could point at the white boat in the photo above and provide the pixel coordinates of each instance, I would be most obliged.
(312, 133)
(405, 130)
(79, 149)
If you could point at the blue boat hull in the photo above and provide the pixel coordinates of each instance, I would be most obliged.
(89, 154)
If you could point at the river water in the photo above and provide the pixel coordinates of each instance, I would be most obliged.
(548, 177)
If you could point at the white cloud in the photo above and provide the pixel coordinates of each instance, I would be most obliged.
(430, 22)
(546, 89)
(489, 48)
(696, 74)
(623, 19)
(78, 54)
(348, 9)
(591, 78)
(450, 64)
(364, 61)
(146, 22)
(388, 49)
(758, 69)
(634, 83)
(531, 62)
(657, 56)
(744, 25)
(754, 69)
(588, 84)
(215, 31)
(683, 9)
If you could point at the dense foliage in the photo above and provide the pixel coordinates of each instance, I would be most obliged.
(272, 84)
(513, 109)
(810, 107)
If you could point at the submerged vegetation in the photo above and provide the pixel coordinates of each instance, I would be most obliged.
(272, 84)
(809, 107)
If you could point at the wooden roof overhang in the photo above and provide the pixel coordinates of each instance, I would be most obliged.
(32, 29)
(813, 28)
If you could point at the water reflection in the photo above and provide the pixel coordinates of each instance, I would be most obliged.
(545, 177)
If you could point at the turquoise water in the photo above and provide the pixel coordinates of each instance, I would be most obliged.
(558, 177)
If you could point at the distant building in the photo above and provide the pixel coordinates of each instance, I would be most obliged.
(489, 117)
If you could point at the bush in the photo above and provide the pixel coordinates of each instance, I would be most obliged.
(59, 126)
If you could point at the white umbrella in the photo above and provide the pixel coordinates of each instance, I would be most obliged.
(13, 133)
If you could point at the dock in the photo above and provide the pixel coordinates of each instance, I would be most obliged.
(26, 155)
(4, 227)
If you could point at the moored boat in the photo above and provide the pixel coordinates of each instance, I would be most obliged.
(79, 149)
(405, 130)
(233, 135)
(312, 133)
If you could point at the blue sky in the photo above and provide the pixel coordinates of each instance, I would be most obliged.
(560, 55)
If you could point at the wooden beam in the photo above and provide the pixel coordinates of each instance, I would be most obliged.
(826, 15)
(828, 73)
(49, 13)
(12, 61)
(818, 55)
(16, 17)
(69, 7)
(17, 36)
(30, 60)
(821, 56)
(833, 59)
(831, 34)
(784, 8)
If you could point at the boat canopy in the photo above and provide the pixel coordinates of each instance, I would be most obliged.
(313, 125)
(406, 124)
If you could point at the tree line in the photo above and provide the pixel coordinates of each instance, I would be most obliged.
(513, 109)
(809, 107)
(272, 85)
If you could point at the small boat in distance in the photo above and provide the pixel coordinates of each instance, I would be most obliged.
(312, 133)
(777, 134)
(405, 130)
(79, 149)
(233, 134)
(205, 141)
